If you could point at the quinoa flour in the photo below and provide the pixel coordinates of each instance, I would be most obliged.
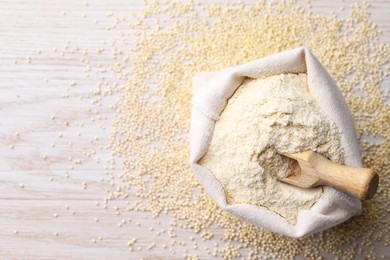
(265, 117)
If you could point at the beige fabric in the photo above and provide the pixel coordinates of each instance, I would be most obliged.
(211, 92)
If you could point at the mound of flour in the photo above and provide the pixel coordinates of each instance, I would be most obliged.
(265, 117)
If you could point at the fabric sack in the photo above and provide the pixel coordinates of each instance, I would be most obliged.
(211, 90)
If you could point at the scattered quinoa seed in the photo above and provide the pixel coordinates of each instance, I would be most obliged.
(155, 107)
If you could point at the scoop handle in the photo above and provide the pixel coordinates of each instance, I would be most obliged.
(361, 183)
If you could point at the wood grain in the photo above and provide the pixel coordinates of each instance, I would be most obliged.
(53, 135)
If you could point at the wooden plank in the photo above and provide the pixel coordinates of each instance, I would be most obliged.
(32, 233)
(33, 182)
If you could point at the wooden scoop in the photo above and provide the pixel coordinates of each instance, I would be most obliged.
(312, 169)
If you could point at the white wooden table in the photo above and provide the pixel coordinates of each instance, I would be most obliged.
(50, 187)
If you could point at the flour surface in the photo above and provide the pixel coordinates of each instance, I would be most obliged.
(265, 117)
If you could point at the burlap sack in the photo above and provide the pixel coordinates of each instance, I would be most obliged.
(211, 92)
